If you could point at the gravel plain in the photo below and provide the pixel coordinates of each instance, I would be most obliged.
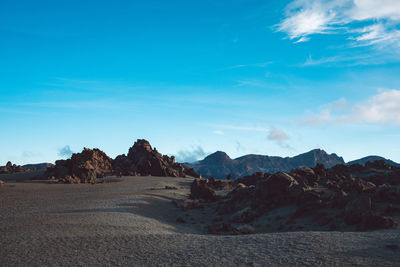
(130, 221)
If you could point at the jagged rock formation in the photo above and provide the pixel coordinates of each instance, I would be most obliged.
(344, 197)
(12, 168)
(142, 159)
(219, 164)
(84, 167)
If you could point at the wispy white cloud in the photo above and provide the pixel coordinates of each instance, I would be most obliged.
(279, 136)
(252, 83)
(304, 18)
(190, 155)
(244, 128)
(382, 108)
(254, 65)
(218, 132)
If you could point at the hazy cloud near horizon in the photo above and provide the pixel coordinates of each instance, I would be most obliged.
(192, 155)
(65, 152)
(279, 137)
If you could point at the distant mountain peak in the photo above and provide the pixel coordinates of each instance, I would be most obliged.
(218, 157)
(219, 164)
(372, 158)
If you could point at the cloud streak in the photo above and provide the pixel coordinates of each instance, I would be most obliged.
(304, 18)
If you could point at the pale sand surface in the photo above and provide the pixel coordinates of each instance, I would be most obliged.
(133, 222)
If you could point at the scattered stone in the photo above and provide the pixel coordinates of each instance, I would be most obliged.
(218, 219)
(216, 229)
(244, 230)
(245, 215)
(180, 220)
(168, 187)
(393, 247)
(187, 204)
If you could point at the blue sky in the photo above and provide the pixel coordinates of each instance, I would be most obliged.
(193, 77)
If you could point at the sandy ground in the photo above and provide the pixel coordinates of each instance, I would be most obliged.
(131, 221)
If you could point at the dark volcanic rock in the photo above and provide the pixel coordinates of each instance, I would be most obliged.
(149, 161)
(275, 189)
(122, 165)
(143, 160)
(339, 198)
(12, 168)
(374, 222)
(202, 190)
(357, 209)
(84, 167)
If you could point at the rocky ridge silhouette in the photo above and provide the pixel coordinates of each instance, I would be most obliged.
(219, 164)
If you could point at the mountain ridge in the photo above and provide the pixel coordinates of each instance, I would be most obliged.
(219, 164)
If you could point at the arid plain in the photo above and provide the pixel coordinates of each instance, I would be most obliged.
(132, 221)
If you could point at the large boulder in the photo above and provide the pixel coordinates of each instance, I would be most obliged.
(84, 167)
(375, 222)
(275, 189)
(201, 190)
(305, 175)
(357, 209)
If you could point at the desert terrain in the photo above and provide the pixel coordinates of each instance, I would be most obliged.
(132, 221)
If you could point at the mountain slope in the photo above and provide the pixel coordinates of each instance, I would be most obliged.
(364, 160)
(219, 164)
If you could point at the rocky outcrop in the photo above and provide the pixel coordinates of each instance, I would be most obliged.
(344, 197)
(149, 161)
(84, 167)
(10, 168)
(144, 160)
(201, 189)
